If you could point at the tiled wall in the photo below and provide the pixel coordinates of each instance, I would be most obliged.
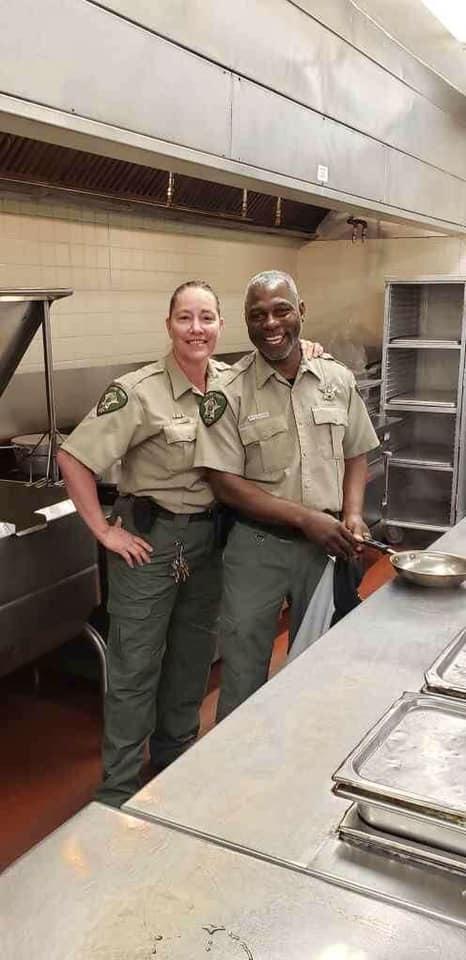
(123, 268)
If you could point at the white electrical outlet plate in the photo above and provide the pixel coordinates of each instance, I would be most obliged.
(322, 173)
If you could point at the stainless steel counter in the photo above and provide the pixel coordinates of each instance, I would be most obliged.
(107, 886)
(275, 882)
(262, 778)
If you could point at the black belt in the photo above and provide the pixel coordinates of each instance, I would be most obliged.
(281, 530)
(146, 510)
(190, 517)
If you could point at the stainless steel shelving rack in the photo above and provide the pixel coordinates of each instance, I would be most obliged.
(369, 388)
(423, 371)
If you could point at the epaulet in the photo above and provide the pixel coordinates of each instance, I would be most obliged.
(115, 396)
(344, 373)
(239, 367)
(227, 374)
(329, 356)
(219, 366)
(221, 373)
(131, 380)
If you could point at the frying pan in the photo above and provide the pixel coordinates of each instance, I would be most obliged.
(427, 568)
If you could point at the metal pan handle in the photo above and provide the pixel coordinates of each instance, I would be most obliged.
(378, 545)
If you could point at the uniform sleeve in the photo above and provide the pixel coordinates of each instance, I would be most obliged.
(99, 441)
(219, 446)
(360, 436)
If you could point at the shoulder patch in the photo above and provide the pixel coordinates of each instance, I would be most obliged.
(212, 407)
(114, 398)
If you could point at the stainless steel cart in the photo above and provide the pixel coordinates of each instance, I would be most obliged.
(422, 384)
(48, 559)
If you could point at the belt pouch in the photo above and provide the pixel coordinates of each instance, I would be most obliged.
(224, 519)
(145, 511)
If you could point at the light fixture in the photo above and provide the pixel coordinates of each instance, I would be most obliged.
(452, 14)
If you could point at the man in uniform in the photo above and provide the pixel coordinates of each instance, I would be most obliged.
(284, 443)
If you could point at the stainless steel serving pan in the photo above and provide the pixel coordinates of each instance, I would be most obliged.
(447, 675)
(395, 821)
(431, 760)
(427, 568)
(355, 830)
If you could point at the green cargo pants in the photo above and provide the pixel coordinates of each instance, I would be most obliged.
(260, 569)
(161, 644)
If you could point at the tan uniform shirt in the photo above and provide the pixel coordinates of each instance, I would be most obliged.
(292, 440)
(153, 432)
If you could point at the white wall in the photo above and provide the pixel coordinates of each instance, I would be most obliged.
(123, 268)
(343, 283)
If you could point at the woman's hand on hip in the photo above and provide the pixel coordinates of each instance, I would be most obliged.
(132, 548)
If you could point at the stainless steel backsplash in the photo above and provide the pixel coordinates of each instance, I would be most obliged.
(23, 404)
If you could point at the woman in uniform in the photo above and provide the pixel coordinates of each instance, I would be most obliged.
(164, 565)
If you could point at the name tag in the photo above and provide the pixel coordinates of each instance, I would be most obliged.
(258, 416)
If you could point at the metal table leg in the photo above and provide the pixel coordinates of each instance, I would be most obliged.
(101, 647)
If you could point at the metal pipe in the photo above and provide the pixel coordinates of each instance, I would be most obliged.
(170, 188)
(226, 219)
(52, 474)
(101, 647)
(278, 212)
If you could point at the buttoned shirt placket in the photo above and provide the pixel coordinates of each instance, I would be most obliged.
(301, 402)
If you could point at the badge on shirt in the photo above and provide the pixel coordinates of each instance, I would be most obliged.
(212, 407)
(328, 391)
(113, 399)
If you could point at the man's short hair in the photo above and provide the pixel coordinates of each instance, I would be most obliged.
(269, 277)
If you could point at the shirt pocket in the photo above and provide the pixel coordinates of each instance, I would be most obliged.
(266, 446)
(330, 425)
(181, 440)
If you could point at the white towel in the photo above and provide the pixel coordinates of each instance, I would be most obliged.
(319, 613)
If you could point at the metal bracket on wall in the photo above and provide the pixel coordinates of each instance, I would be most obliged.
(357, 223)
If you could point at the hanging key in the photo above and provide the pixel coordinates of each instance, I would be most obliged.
(180, 567)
